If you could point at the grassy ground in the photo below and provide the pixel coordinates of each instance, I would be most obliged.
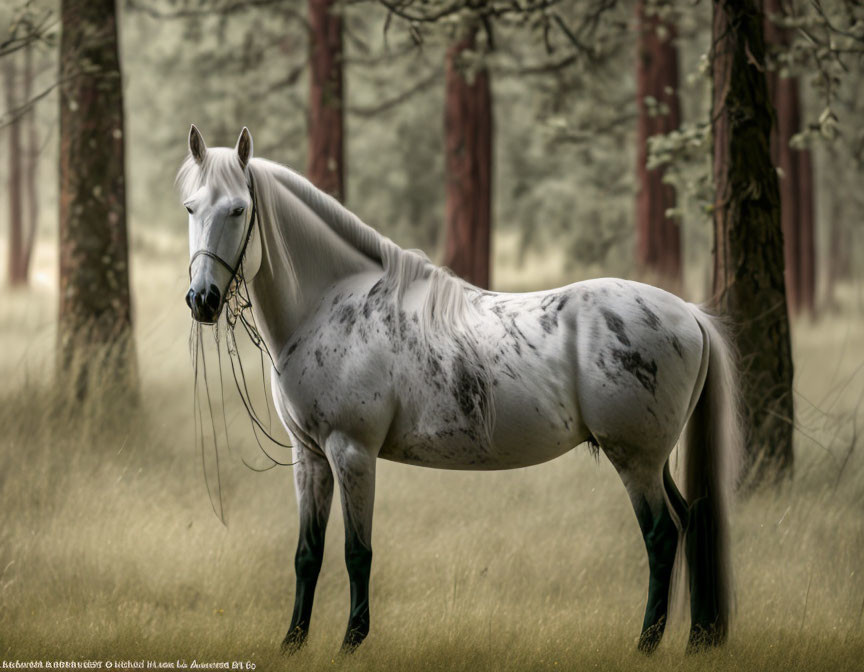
(109, 549)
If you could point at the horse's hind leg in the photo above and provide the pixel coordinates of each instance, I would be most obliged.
(645, 487)
(313, 481)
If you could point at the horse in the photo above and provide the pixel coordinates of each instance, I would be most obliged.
(377, 353)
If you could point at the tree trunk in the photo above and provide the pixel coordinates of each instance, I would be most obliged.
(748, 238)
(325, 163)
(95, 316)
(796, 181)
(15, 271)
(658, 237)
(468, 165)
(31, 172)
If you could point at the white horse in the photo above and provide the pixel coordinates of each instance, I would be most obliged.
(378, 353)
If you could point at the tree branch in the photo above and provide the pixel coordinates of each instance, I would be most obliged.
(373, 110)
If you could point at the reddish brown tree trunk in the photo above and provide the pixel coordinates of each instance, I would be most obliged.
(325, 163)
(796, 181)
(658, 237)
(468, 165)
(95, 315)
(748, 238)
(15, 271)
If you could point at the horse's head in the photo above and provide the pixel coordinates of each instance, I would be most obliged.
(218, 194)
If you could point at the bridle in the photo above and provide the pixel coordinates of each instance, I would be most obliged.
(233, 270)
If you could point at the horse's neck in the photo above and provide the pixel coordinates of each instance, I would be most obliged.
(319, 258)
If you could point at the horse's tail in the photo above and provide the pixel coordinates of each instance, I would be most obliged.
(713, 446)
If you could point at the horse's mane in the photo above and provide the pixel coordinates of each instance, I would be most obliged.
(444, 318)
(446, 303)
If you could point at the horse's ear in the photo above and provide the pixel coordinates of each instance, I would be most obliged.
(197, 148)
(244, 147)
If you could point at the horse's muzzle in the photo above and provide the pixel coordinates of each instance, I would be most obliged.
(205, 305)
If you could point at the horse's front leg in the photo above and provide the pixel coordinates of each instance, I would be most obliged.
(313, 481)
(354, 465)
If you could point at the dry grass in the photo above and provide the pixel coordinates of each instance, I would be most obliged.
(109, 550)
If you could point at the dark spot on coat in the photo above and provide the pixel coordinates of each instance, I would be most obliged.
(293, 347)
(372, 299)
(677, 345)
(516, 333)
(319, 357)
(403, 325)
(632, 362)
(608, 372)
(549, 322)
(648, 315)
(616, 325)
(469, 389)
(434, 370)
(346, 315)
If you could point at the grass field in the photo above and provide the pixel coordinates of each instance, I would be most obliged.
(109, 549)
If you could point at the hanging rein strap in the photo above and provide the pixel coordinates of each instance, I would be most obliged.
(233, 270)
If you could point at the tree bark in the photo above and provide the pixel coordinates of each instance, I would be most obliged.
(468, 165)
(748, 238)
(796, 181)
(325, 163)
(15, 270)
(95, 315)
(658, 237)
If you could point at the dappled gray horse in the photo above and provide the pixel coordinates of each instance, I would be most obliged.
(378, 353)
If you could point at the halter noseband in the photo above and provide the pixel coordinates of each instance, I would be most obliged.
(232, 269)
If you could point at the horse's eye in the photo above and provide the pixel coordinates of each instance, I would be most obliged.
(189, 210)
(236, 212)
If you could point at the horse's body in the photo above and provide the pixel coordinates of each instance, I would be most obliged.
(359, 363)
(380, 354)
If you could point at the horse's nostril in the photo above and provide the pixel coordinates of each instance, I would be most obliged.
(213, 297)
(204, 304)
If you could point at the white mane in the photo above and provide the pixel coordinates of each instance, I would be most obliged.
(446, 304)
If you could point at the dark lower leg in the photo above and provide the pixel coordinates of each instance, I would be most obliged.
(314, 483)
(661, 541)
(358, 560)
(307, 565)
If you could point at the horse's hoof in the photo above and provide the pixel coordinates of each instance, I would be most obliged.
(353, 639)
(650, 638)
(294, 641)
(648, 643)
(704, 639)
